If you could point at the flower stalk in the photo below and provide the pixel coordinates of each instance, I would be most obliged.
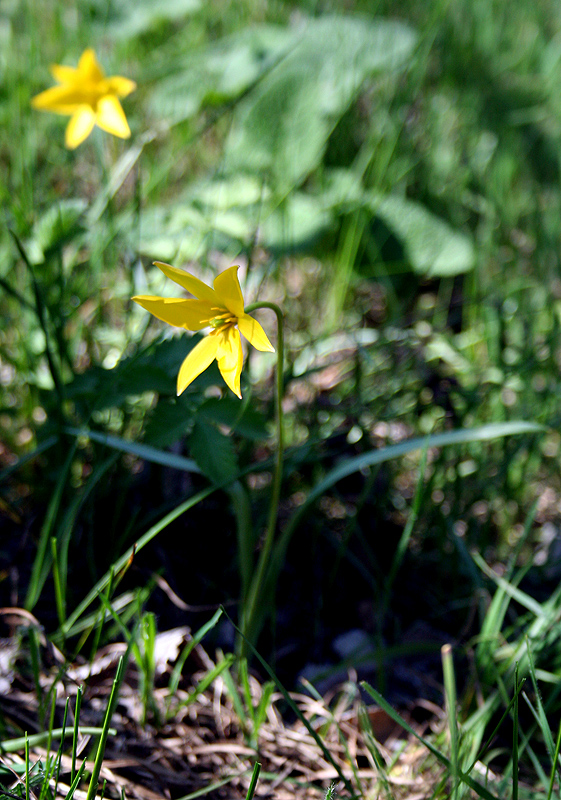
(253, 615)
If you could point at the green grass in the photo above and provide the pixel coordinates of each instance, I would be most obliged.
(390, 176)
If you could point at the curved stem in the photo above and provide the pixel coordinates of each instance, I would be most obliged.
(252, 608)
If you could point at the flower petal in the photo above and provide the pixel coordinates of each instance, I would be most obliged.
(230, 357)
(201, 356)
(189, 282)
(254, 333)
(60, 99)
(63, 74)
(119, 85)
(79, 127)
(111, 117)
(88, 67)
(190, 314)
(227, 287)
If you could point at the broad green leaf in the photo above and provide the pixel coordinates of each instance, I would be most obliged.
(169, 421)
(294, 224)
(235, 192)
(342, 188)
(432, 247)
(281, 128)
(213, 452)
(219, 73)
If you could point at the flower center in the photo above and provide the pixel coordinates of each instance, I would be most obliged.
(227, 318)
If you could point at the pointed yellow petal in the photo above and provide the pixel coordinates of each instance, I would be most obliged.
(254, 333)
(190, 314)
(119, 86)
(201, 356)
(192, 284)
(79, 127)
(111, 117)
(230, 358)
(227, 287)
(63, 74)
(89, 68)
(60, 99)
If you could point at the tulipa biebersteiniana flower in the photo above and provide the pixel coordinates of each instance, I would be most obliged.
(89, 97)
(220, 308)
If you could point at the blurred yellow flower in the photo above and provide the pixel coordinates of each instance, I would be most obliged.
(89, 97)
(220, 308)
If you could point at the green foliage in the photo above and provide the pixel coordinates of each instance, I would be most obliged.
(128, 20)
(281, 129)
(213, 452)
(432, 247)
(393, 178)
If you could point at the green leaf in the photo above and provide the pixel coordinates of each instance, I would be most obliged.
(155, 370)
(223, 194)
(219, 73)
(183, 232)
(432, 247)
(143, 451)
(282, 127)
(169, 421)
(295, 224)
(133, 17)
(213, 452)
(166, 230)
(243, 419)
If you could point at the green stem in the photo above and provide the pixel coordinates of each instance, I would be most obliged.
(251, 624)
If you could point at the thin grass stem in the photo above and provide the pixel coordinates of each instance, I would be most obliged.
(515, 766)
(92, 788)
(27, 770)
(555, 764)
(75, 731)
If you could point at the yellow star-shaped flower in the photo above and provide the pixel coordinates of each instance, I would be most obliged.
(89, 97)
(220, 308)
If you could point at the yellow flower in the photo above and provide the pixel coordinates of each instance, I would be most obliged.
(89, 97)
(220, 308)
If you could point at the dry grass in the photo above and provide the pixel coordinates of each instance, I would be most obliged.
(202, 749)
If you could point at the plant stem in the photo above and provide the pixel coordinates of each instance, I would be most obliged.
(250, 623)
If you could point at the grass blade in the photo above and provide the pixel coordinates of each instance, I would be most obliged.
(515, 764)
(451, 702)
(145, 451)
(92, 788)
(41, 565)
(555, 764)
(484, 433)
(253, 782)
(477, 787)
(39, 739)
